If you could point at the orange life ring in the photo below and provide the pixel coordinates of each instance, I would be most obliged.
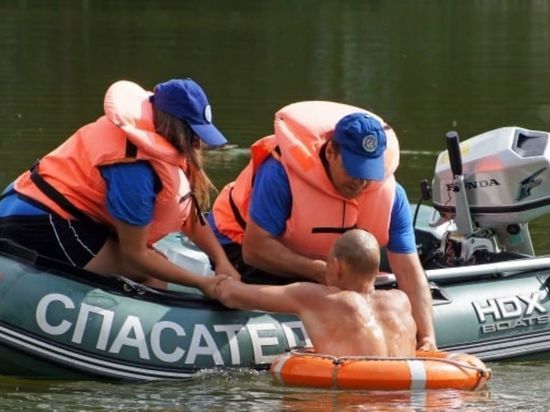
(428, 370)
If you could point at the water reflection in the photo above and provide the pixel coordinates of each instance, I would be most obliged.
(233, 391)
(515, 385)
(384, 401)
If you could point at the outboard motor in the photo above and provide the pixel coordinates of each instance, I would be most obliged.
(487, 189)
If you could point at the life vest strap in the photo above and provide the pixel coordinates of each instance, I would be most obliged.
(52, 193)
(200, 216)
(238, 217)
(7, 193)
(131, 149)
(276, 154)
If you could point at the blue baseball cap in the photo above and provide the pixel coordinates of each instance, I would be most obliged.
(362, 143)
(185, 99)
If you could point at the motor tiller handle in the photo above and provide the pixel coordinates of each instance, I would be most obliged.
(453, 147)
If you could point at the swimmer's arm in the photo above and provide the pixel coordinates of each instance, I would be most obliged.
(293, 298)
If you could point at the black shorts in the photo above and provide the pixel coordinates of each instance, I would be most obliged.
(69, 241)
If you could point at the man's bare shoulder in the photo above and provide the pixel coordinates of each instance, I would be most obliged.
(394, 293)
(314, 290)
(393, 298)
(381, 294)
(307, 296)
(314, 294)
(346, 299)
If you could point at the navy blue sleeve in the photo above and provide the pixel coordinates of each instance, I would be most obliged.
(402, 239)
(130, 192)
(15, 205)
(271, 201)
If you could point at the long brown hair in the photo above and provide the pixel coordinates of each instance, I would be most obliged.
(184, 139)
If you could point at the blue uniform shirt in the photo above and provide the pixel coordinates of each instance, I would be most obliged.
(130, 194)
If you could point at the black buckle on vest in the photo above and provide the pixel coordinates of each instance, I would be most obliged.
(332, 229)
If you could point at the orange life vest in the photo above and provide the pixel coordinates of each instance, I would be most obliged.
(319, 212)
(124, 134)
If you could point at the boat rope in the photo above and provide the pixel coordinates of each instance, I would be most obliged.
(337, 361)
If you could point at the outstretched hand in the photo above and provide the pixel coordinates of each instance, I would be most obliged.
(210, 285)
(219, 280)
(426, 345)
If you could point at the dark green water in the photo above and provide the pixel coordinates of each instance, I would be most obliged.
(426, 66)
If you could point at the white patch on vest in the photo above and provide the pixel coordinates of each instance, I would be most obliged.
(418, 374)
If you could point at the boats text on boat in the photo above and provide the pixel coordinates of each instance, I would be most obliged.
(131, 334)
(511, 312)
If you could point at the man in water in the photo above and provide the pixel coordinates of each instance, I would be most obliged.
(346, 316)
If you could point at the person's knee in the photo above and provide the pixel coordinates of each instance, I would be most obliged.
(107, 260)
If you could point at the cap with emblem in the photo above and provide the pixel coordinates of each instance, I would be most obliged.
(362, 143)
(185, 99)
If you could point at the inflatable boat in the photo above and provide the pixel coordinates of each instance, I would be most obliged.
(490, 293)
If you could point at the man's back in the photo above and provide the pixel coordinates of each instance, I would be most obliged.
(346, 316)
(348, 323)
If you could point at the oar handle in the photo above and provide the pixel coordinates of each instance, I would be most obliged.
(453, 148)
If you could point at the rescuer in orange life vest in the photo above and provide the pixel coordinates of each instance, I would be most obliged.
(328, 168)
(117, 185)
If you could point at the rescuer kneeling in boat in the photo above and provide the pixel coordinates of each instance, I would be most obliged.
(346, 316)
(116, 186)
(328, 168)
